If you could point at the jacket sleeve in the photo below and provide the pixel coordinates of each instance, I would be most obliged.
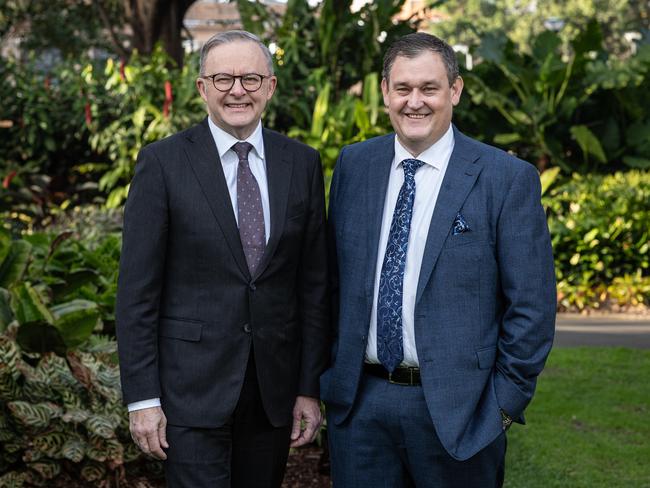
(140, 280)
(312, 290)
(528, 287)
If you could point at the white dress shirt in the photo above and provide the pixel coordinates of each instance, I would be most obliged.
(229, 163)
(428, 179)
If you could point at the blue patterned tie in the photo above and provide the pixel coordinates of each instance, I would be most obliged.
(390, 346)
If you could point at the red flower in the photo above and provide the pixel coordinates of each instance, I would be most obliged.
(122, 65)
(169, 98)
(89, 115)
(46, 83)
(7, 180)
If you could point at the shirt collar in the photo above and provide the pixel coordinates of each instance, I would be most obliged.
(435, 155)
(225, 141)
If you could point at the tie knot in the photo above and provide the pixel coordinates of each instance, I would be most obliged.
(242, 149)
(411, 166)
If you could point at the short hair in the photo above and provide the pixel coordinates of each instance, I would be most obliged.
(233, 36)
(412, 45)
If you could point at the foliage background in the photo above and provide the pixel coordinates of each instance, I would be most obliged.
(572, 101)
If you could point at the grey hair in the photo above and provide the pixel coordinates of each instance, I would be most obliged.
(412, 45)
(233, 36)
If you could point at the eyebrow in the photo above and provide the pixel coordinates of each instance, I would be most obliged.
(400, 84)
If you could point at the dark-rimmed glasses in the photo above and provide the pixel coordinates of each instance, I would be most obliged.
(251, 82)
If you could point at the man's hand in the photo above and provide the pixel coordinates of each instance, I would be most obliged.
(307, 419)
(148, 430)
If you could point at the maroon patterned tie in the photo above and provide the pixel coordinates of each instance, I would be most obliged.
(249, 209)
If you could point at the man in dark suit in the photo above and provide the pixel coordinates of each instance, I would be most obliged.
(446, 290)
(221, 311)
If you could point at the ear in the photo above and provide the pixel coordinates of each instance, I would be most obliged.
(456, 90)
(384, 90)
(202, 88)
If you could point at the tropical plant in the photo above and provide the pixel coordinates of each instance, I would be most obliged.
(133, 105)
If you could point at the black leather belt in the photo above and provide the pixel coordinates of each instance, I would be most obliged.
(405, 376)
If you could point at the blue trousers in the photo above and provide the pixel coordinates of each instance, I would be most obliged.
(389, 441)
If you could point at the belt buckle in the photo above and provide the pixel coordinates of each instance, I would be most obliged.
(401, 383)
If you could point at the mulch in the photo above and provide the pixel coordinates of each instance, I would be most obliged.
(307, 467)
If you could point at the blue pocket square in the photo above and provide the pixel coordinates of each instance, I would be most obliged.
(459, 226)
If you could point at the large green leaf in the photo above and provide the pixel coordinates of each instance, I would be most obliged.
(6, 315)
(29, 306)
(40, 337)
(548, 177)
(14, 264)
(637, 162)
(75, 320)
(588, 142)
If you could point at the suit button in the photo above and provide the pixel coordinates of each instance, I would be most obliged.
(247, 328)
(252, 287)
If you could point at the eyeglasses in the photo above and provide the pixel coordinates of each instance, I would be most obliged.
(251, 82)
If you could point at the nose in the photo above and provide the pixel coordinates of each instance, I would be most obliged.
(415, 99)
(237, 88)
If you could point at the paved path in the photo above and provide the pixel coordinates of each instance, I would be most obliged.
(607, 330)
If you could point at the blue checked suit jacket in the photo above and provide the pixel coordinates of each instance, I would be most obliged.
(486, 298)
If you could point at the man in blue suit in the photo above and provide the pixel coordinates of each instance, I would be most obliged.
(445, 290)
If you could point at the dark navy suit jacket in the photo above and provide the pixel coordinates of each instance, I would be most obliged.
(188, 310)
(486, 299)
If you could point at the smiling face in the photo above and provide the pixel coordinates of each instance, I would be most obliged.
(236, 111)
(420, 100)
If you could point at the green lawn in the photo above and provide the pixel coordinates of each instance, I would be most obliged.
(588, 425)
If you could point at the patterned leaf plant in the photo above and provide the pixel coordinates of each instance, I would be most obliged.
(62, 423)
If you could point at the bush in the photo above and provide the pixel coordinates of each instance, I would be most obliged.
(599, 227)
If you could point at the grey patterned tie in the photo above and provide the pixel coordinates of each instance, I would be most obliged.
(249, 209)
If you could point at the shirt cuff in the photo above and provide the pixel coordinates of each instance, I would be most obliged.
(152, 402)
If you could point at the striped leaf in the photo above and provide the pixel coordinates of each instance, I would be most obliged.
(47, 470)
(74, 449)
(95, 449)
(101, 426)
(93, 471)
(9, 356)
(115, 452)
(6, 433)
(13, 480)
(35, 415)
(50, 444)
(75, 416)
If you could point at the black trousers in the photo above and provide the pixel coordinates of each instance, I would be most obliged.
(247, 452)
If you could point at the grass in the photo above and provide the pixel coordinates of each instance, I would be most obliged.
(588, 425)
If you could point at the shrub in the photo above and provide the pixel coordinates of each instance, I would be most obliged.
(600, 232)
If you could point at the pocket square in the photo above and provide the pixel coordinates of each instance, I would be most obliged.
(460, 225)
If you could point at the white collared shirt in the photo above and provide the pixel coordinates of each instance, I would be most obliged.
(256, 161)
(428, 179)
(229, 162)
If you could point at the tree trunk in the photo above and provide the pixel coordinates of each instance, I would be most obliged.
(157, 20)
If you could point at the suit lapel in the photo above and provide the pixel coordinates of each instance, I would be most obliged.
(278, 175)
(462, 171)
(378, 172)
(204, 159)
